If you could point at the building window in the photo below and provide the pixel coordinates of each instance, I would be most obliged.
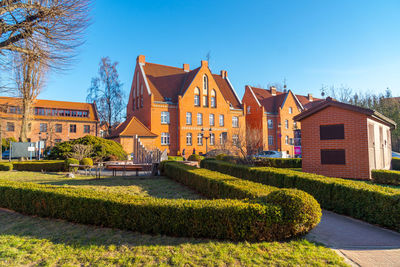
(295, 125)
(270, 140)
(286, 124)
(248, 110)
(290, 110)
(72, 128)
(164, 139)
(270, 124)
(222, 138)
(333, 156)
(58, 128)
(141, 101)
(164, 117)
(212, 120)
(213, 99)
(197, 97)
(200, 139)
(10, 127)
(188, 118)
(235, 122)
(235, 140)
(205, 101)
(43, 127)
(212, 139)
(286, 139)
(331, 132)
(189, 139)
(221, 120)
(57, 140)
(86, 128)
(205, 83)
(199, 119)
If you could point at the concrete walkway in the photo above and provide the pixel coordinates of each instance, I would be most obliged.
(361, 243)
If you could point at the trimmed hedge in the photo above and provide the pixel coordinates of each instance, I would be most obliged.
(386, 177)
(396, 164)
(300, 211)
(70, 161)
(372, 203)
(278, 163)
(40, 165)
(195, 157)
(87, 161)
(175, 158)
(6, 166)
(221, 219)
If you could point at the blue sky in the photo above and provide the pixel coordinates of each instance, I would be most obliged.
(310, 43)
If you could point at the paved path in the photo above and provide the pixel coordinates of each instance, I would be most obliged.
(361, 243)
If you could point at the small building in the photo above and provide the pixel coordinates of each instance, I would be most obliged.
(343, 140)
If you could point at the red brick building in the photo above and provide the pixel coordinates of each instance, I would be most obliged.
(176, 104)
(342, 140)
(269, 117)
(52, 121)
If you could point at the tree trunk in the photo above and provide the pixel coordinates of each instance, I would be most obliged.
(26, 107)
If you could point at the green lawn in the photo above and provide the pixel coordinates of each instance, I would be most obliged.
(26, 240)
(35, 241)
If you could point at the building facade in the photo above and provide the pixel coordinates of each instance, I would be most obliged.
(51, 122)
(269, 118)
(188, 110)
(342, 140)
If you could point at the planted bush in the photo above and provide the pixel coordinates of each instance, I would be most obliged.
(175, 158)
(396, 164)
(6, 166)
(39, 165)
(195, 157)
(70, 161)
(87, 161)
(371, 203)
(102, 149)
(300, 211)
(386, 177)
(221, 219)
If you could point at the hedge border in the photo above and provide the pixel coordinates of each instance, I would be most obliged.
(386, 177)
(371, 203)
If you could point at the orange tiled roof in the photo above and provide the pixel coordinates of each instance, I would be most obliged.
(41, 103)
(271, 103)
(130, 127)
(169, 82)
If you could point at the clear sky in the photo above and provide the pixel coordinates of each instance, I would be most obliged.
(310, 43)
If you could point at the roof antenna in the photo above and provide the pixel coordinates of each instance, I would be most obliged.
(284, 85)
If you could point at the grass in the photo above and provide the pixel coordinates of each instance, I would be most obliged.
(157, 186)
(35, 241)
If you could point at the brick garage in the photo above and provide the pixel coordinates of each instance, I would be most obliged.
(342, 140)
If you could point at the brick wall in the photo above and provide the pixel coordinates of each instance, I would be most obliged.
(355, 143)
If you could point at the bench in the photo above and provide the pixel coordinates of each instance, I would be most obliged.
(124, 168)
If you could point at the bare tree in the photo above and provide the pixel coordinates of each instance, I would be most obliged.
(80, 151)
(50, 29)
(106, 91)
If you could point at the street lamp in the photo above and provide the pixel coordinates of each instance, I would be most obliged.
(206, 137)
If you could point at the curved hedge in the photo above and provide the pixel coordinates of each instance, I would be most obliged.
(300, 211)
(371, 203)
(222, 219)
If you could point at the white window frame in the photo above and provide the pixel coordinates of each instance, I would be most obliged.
(189, 139)
(199, 139)
(197, 97)
(221, 120)
(213, 100)
(235, 122)
(235, 139)
(286, 124)
(164, 117)
(212, 139)
(188, 118)
(212, 119)
(165, 139)
(290, 110)
(199, 118)
(286, 140)
(270, 140)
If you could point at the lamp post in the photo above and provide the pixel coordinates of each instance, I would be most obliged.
(206, 137)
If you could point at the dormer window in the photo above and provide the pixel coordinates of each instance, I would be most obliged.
(197, 97)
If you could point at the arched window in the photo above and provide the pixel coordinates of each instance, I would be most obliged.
(141, 89)
(213, 98)
(205, 82)
(137, 83)
(196, 96)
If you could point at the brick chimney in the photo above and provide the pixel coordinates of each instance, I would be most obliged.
(224, 74)
(186, 67)
(141, 59)
(310, 98)
(204, 63)
(272, 89)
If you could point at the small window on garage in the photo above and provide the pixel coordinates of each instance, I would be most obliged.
(333, 156)
(331, 132)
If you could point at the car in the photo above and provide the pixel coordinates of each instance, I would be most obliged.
(271, 154)
(6, 154)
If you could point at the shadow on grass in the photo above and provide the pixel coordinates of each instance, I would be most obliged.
(63, 232)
